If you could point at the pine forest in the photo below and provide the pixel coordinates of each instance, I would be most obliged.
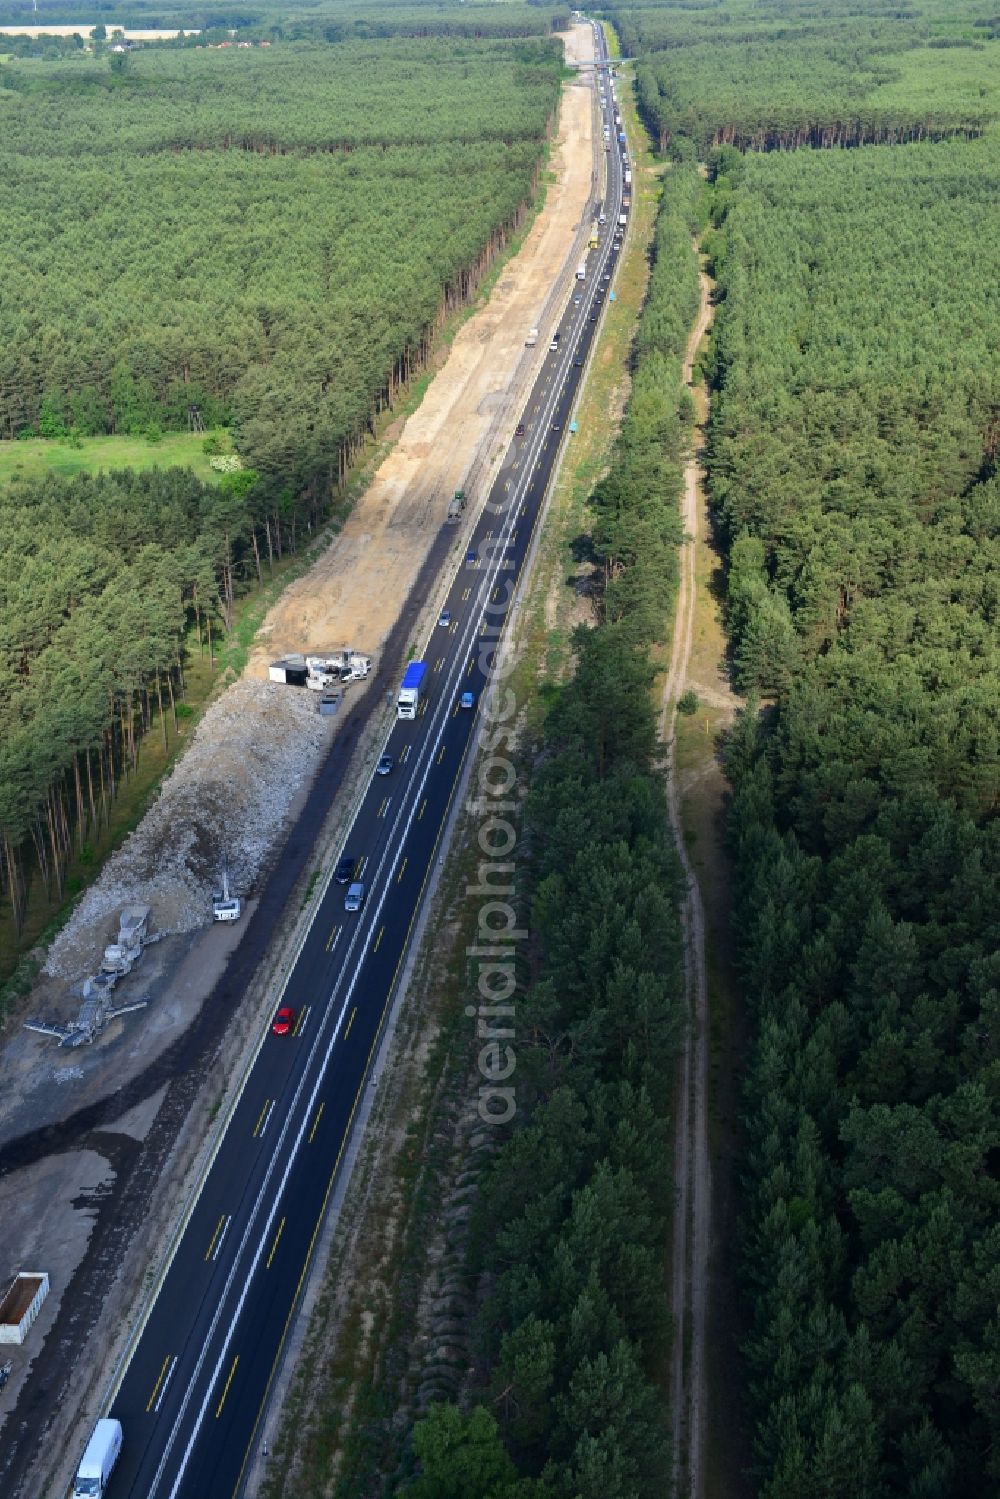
(265, 240)
(852, 465)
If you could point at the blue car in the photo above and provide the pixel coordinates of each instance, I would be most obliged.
(467, 700)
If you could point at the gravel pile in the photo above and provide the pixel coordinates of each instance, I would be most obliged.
(226, 798)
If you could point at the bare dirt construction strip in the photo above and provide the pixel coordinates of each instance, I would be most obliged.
(460, 432)
(99, 1151)
(692, 1176)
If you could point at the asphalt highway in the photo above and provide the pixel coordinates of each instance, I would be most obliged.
(194, 1390)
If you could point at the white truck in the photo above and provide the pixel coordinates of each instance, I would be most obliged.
(409, 693)
(532, 338)
(336, 666)
(98, 1460)
(581, 271)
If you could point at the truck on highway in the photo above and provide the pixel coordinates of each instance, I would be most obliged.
(92, 1475)
(581, 271)
(532, 338)
(595, 236)
(409, 693)
(622, 220)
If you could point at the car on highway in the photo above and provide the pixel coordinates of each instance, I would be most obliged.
(355, 897)
(284, 1021)
(556, 424)
(384, 766)
(576, 301)
(444, 618)
(519, 430)
(345, 868)
(471, 558)
(593, 316)
(578, 361)
(467, 700)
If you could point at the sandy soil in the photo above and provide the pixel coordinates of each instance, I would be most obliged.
(353, 595)
(460, 432)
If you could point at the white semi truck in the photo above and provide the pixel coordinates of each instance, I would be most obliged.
(409, 693)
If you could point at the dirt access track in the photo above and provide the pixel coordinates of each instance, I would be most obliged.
(100, 1148)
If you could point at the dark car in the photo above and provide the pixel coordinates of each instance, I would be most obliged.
(284, 1021)
(471, 558)
(557, 425)
(345, 868)
(519, 430)
(384, 766)
(578, 361)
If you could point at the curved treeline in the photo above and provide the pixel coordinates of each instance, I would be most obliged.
(569, 1232)
(154, 275)
(853, 468)
(788, 75)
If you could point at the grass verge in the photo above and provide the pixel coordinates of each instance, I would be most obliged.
(35, 457)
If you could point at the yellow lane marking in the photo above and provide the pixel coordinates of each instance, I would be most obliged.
(300, 1021)
(404, 754)
(361, 863)
(218, 1408)
(441, 755)
(319, 1115)
(439, 663)
(277, 1240)
(334, 934)
(263, 1117)
(465, 595)
(156, 1388)
(381, 810)
(211, 1243)
(423, 809)
(401, 868)
(378, 939)
(350, 1022)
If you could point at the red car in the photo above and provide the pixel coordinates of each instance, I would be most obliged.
(283, 1021)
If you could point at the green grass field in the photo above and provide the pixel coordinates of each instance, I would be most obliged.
(39, 455)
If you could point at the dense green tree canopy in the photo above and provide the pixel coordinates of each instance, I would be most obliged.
(266, 236)
(783, 73)
(853, 468)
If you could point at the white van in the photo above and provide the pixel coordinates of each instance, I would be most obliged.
(97, 1462)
